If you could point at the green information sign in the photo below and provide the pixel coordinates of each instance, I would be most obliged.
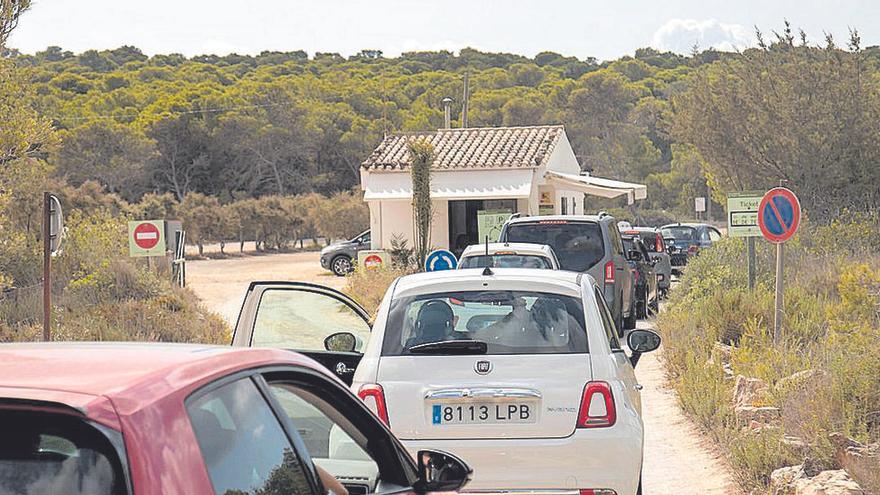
(146, 238)
(742, 214)
(489, 223)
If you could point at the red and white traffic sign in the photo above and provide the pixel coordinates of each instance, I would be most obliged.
(779, 215)
(146, 236)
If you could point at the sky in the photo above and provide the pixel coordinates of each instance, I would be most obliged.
(605, 29)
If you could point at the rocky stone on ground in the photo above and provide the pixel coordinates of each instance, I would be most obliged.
(756, 417)
(798, 380)
(793, 480)
(748, 391)
(861, 461)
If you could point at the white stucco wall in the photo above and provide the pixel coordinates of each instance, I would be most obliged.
(389, 218)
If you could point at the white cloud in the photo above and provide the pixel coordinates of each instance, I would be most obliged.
(680, 35)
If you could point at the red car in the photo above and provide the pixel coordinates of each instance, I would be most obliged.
(84, 418)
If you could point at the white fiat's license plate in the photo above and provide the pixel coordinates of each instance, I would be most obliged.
(484, 413)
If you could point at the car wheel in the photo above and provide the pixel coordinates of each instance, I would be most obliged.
(341, 265)
(642, 305)
(630, 321)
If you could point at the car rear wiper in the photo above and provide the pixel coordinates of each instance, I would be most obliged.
(451, 347)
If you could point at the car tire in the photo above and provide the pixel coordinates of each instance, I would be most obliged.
(341, 265)
(641, 306)
(655, 306)
(630, 321)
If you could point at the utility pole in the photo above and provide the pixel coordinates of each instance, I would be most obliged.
(447, 112)
(47, 267)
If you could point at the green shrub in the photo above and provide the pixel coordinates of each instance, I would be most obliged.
(831, 331)
(368, 287)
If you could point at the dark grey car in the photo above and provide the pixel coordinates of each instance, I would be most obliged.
(340, 257)
(688, 239)
(653, 240)
(583, 243)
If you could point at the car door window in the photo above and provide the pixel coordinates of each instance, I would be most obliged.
(243, 445)
(332, 441)
(302, 319)
(607, 321)
(714, 235)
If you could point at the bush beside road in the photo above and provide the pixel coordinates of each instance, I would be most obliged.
(775, 405)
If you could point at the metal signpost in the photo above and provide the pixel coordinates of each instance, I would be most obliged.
(779, 216)
(53, 228)
(742, 221)
(440, 259)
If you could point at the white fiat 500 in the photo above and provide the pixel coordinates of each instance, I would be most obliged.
(518, 372)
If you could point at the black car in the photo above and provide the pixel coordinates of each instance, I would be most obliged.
(646, 293)
(687, 239)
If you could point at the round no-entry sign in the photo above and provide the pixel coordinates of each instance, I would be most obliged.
(779, 215)
(146, 236)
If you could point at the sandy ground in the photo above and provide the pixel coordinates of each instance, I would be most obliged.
(221, 283)
(679, 459)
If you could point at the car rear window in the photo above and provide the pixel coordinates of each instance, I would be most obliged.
(509, 322)
(55, 453)
(578, 245)
(506, 261)
(680, 233)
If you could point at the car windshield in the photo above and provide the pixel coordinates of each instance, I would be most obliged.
(506, 261)
(680, 233)
(628, 244)
(508, 322)
(53, 453)
(578, 245)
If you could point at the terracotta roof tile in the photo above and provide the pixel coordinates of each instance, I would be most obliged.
(486, 147)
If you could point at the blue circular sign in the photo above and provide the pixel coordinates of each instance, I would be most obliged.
(440, 259)
(779, 215)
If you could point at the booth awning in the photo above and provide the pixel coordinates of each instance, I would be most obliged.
(597, 186)
(459, 184)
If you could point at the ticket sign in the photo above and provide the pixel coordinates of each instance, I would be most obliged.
(146, 238)
(742, 214)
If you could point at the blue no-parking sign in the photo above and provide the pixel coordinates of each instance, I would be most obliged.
(440, 259)
(779, 215)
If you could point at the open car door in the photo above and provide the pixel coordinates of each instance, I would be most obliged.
(301, 317)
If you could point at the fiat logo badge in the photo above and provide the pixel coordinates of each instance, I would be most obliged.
(483, 367)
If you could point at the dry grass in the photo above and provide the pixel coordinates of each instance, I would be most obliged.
(832, 327)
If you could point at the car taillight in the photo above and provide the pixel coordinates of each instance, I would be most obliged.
(658, 243)
(693, 248)
(374, 398)
(636, 275)
(597, 491)
(597, 406)
(609, 272)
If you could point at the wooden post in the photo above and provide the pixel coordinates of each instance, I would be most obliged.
(47, 267)
(777, 320)
(751, 267)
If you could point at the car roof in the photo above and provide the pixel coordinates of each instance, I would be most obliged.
(519, 247)
(557, 218)
(691, 225)
(469, 279)
(132, 375)
(641, 230)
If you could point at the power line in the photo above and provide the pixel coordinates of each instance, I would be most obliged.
(175, 112)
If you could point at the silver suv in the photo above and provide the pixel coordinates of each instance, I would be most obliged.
(583, 243)
(340, 257)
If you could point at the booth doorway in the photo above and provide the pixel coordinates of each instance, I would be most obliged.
(463, 229)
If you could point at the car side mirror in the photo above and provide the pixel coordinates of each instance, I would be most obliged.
(441, 472)
(341, 342)
(641, 341)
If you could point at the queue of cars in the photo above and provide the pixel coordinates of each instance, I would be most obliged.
(504, 375)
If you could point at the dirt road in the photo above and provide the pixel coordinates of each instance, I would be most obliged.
(221, 284)
(678, 458)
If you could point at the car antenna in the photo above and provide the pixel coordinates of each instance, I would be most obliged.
(488, 270)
